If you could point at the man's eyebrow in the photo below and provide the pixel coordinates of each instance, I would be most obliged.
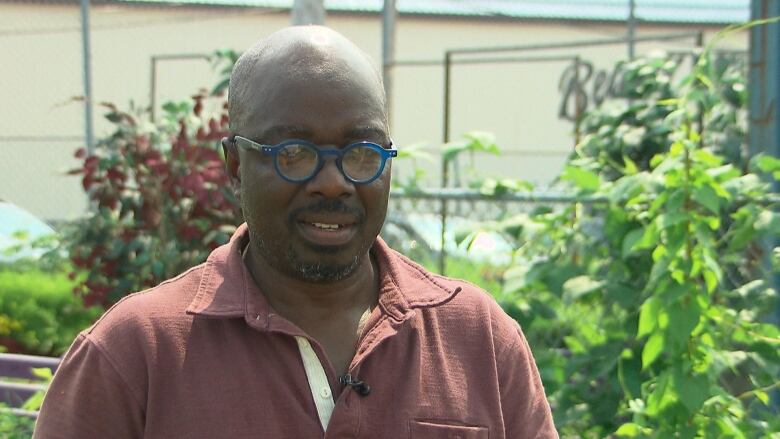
(295, 131)
(368, 132)
(285, 131)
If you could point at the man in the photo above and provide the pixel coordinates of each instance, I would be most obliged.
(306, 324)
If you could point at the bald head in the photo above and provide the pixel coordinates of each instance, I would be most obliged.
(296, 57)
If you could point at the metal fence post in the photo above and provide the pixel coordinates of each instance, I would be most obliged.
(764, 87)
(87, 73)
(444, 162)
(389, 15)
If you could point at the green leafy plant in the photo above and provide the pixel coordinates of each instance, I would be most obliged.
(39, 314)
(44, 253)
(472, 142)
(647, 311)
(414, 153)
(223, 61)
(624, 134)
(14, 426)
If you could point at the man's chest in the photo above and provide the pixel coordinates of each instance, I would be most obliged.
(265, 392)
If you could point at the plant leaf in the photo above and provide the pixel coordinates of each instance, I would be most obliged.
(648, 317)
(579, 286)
(691, 390)
(582, 178)
(706, 196)
(652, 350)
(683, 318)
(628, 430)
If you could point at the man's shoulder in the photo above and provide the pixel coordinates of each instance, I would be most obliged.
(140, 311)
(474, 303)
(465, 301)
(468, 316)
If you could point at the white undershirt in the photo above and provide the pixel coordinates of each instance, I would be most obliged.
(318, 381)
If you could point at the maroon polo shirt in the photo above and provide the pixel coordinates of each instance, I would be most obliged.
(204, 356)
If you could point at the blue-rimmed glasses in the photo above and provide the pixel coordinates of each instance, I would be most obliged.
(298, 161)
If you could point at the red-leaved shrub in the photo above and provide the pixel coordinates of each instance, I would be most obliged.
(160, 199)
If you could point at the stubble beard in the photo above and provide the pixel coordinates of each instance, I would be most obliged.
(288, 261)
(319, 272)
(283, 256)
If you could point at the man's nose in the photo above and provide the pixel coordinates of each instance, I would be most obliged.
(330, 182)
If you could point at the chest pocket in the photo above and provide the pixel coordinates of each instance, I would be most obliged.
(434, 430)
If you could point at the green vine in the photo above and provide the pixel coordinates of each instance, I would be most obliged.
(648, 314)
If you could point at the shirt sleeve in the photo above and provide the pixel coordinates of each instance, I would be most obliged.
(88, 398)
(526, 411)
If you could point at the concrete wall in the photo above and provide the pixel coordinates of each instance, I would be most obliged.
(41, 124)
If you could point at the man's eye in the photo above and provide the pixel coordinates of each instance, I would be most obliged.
(293, 152)
(297, 155)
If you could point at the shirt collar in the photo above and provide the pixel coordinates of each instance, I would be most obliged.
(223, 286)
(227, 289)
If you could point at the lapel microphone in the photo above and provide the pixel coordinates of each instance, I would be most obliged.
(358, 386)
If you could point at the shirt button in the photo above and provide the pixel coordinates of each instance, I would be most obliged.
(325, 392)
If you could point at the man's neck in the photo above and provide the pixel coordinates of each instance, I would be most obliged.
(298, 300)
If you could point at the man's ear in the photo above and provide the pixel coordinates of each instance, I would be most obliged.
(232, 164)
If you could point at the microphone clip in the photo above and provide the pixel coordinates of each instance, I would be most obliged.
(360, 387)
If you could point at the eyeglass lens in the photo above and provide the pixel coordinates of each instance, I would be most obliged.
(298, 162)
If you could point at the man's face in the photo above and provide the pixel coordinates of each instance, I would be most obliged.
(320, 230)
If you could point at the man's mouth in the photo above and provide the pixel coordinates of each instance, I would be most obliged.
(334, 232)
(328, 223)
(325, 226)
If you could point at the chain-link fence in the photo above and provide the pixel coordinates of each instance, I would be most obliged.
(33, 176)
(426, 222)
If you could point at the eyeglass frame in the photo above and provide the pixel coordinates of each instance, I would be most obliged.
(273, 151)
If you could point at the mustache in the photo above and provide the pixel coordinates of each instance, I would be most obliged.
(328, 206)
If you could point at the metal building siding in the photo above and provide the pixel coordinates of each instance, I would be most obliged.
(655, 11)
